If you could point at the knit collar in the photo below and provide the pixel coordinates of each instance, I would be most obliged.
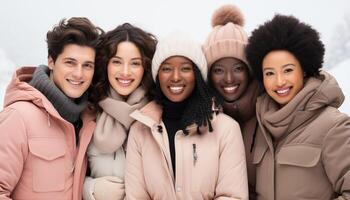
(67, 108)
(173, 110)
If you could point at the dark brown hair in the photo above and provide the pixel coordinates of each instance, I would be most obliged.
(77, 30)
(107, 48)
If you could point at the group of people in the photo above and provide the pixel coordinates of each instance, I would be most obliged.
(123, 115)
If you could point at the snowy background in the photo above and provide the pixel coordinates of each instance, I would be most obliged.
(24, 25)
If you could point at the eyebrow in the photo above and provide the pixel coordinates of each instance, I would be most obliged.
(137, 58)
(283, 66)
(73, 59)
(288, 64)
(90, 62)
(69, 58)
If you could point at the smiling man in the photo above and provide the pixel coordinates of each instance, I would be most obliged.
(43, 131)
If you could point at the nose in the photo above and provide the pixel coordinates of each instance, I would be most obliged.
(228, 76)
(175, 76)
(78, 72)
(125, 69)
(280, 80)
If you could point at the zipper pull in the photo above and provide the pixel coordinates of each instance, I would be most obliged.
(160, 128)
(195, 156)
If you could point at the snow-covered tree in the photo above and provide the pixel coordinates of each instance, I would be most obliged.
(338, 49)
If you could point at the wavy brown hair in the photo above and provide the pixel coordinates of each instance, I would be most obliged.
(76, 30)
(107, 48)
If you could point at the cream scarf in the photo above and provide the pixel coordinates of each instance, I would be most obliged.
(114, 122)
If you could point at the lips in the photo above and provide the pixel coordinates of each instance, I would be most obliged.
(74, 82)
(230, 89)
(283, 91)
(124, 82)
(176, 89)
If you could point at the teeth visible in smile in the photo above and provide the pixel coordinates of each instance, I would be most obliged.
(124, 81)
(176, 89)
(282, 91)
(231, 88)
(75, 82)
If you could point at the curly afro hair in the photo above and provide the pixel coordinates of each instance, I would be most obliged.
(286, 33)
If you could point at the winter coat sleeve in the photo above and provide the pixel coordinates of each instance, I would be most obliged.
(135, 185)
(335, 156)
(232, 181)
(13, 150)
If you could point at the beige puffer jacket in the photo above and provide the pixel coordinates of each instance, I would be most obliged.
(208, 166)
(302, 150)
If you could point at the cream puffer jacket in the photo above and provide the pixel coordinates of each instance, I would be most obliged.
(106, 152)
(208, 166)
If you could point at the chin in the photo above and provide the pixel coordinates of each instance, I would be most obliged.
(74, 95)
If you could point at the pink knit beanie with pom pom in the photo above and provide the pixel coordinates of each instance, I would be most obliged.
(228, 38)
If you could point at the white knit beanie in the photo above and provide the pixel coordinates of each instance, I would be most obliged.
(179, 44)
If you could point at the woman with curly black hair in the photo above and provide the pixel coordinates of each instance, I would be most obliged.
(302, 147)
(179, 148)
(120, 86)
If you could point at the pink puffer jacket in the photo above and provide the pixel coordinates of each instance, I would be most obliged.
(38, 152)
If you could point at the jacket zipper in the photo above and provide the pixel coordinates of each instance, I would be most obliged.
(194, 153)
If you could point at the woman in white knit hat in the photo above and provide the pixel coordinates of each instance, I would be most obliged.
(231, 78)
(180, 148)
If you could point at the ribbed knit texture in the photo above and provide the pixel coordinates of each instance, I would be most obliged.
(179, 44)
(67, 108)
(227, 39)
(171, 116)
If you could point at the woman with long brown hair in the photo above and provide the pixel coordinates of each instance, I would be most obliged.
(120, 85)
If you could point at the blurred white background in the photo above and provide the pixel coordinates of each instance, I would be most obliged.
(23, 25)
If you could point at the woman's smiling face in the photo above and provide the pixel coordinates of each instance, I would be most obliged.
(176, 78)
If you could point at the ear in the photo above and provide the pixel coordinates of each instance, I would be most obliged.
(50, 63)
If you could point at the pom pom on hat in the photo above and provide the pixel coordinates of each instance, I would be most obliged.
(179, 44)
(226, 14)
(228, 38)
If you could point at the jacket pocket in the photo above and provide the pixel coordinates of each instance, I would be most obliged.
(299, 155)
(48, 164)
